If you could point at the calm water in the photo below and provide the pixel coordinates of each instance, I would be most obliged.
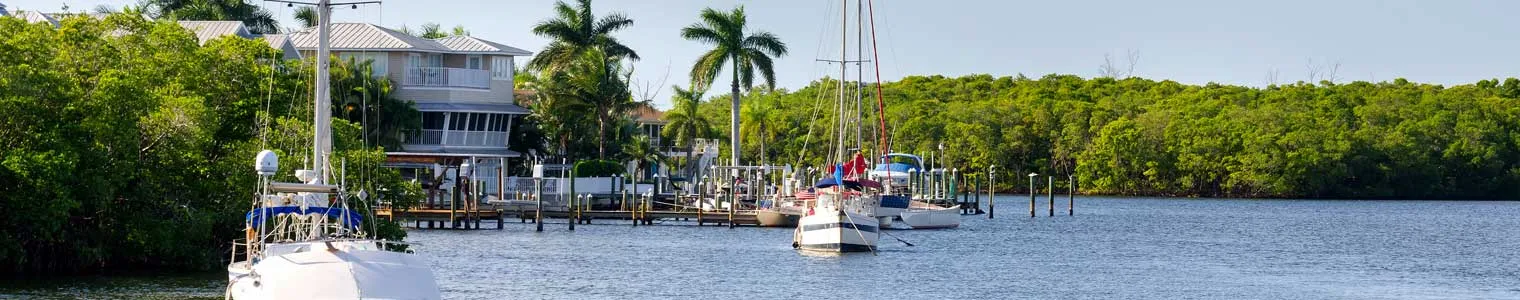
(1114, 248)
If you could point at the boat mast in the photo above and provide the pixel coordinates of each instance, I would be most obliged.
(322, 121)
(859, 74)
(881, 108)
(844, 43)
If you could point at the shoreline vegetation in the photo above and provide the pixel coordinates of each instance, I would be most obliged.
(126, 144)
(1142, 137)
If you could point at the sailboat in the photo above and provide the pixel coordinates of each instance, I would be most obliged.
(895, 168)
(303, 241)
(843, 217)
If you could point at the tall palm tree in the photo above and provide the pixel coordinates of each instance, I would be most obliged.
(685, 123)
(745, 53)
(759, 112)
(558, 109)
(601, 83)
(574, 32)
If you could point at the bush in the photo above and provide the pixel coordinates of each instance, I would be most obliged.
(598, 168)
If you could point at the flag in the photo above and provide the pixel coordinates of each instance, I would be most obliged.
(856, 166)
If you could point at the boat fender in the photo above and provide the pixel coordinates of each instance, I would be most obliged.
(249, 233)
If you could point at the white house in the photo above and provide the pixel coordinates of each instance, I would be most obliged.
(461, 85)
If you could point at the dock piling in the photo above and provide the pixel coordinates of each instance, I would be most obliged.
(1032, 190)
(991, 177)
(1050, 189)
(1071, 197)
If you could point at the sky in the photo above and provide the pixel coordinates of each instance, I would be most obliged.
(1190, 41)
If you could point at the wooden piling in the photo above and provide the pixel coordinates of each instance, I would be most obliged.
(1071, 196)
(1032, 190)
(538, 194)
(733, 202)
(1050, 189)
(991, 208)
(976, 189)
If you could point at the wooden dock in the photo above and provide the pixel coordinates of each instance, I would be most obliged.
(740, 218)
(442, 218)
(462, 219)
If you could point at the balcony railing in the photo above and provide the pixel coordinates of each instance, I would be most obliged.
(458, 138)
(448, 77)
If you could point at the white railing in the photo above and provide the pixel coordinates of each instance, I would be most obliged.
(447, 77)
(458, 138)
(426, 137)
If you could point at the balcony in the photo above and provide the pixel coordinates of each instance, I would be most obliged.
(447, 78)
(433, 137)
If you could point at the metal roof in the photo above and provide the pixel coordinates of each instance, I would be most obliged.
(209, 30)
(472, 44)
(282, 42)
(35, 17)
(363, 36)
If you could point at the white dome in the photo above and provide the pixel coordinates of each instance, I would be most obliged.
(266, 163)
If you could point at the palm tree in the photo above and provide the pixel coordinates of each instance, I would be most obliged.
(601, 82)
(759, 112)
(640, 150)
(256, 18)
(576, 31)
(685, 123)
(307, 15)
(558, 109)
(745, 53)
(433, 31)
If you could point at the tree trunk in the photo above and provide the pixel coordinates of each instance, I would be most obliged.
(601, 137)
(733, 127)
(761, 136)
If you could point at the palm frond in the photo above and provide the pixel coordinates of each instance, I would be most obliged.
(763, 63)
(708, 67)
(766, 42)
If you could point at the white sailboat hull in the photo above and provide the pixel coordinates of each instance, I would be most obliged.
(831, 230)
(350, 270)
(931, 218)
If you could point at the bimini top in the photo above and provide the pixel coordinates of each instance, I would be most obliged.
(349, 218)
(900, 162)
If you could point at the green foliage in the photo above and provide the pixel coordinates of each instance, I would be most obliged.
(1143, 137)
(256, 18)
(598, 168)
(125, 144)
(573, 31)
(743, 52)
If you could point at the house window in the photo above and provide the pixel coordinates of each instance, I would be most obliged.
(378, 61)
(432, 120)
(473, 62)
(501, 67)
(478, 122)
(435, 60)
(459, 121)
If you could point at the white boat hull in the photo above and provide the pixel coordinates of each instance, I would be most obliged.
(831, 230)
(931, 218)
(347, 270)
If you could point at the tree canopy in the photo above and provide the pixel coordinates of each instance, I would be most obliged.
(127, 144)
(1138, 136)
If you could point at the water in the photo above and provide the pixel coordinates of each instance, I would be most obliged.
(1147, 248)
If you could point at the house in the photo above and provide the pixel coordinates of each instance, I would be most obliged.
(461, 85)
(209, 30)
(29, 16)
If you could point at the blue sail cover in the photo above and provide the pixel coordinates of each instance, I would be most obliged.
(894, 201)
(349, 218)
